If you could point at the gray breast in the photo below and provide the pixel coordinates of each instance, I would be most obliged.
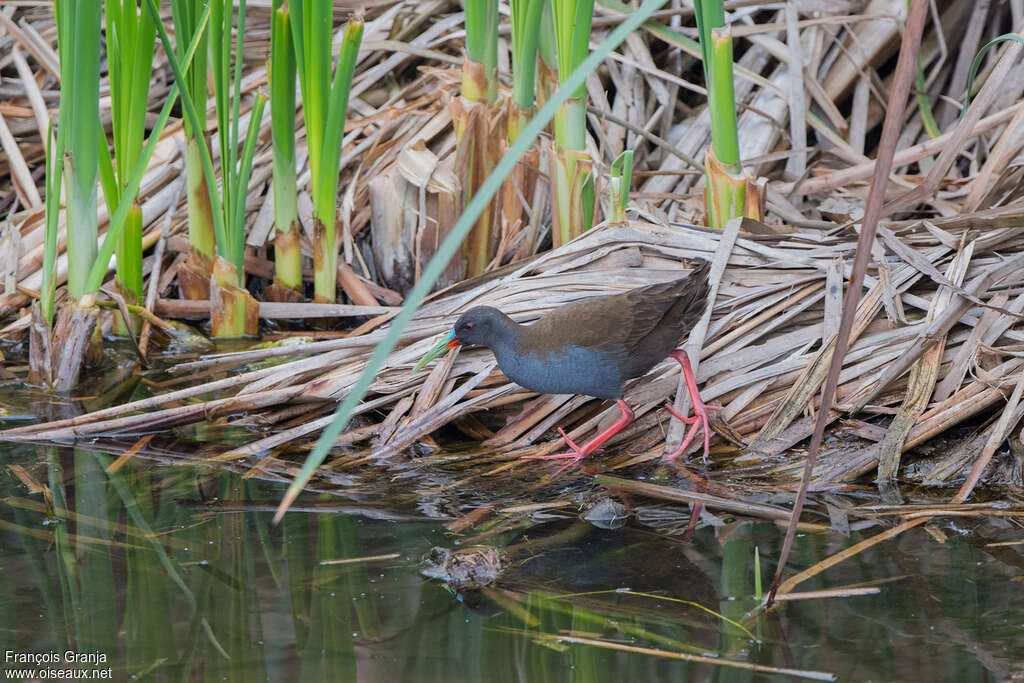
(573, 370)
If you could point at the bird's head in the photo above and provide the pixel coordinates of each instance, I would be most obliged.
(478, 325)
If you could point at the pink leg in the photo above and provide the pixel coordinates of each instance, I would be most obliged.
(700, 415)
(695, 511)
(579, 453)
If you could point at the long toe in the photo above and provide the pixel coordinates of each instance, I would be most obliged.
(699, 420)
(690, 433)
(701, 411)
(687, 420)
(566, 466)
(572, 444)
(577, 453)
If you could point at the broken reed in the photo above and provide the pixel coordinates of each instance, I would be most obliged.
(131, 38)
(324, 105)
(473, 116)
(572, 181)
(282, 83)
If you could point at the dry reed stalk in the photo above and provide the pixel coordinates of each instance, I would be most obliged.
(922, 379)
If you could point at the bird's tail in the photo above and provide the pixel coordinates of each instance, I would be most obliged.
(697, 279)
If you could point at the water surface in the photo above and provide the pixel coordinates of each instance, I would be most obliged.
(177, 573)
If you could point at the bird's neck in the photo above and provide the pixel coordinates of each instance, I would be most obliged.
(507, 342)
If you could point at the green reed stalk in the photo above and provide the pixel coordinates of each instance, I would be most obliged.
(450, 246)
(472, 118)
(620, 180)
(281, 74)
(120, 217)
(131, 37)
(757, 574)
(521, 184)
(54, 177)
(188, 81)
(547, 56)
(923, 104)
(235, 169)
(190, 20)
(526, 16)
(725, 185)
(324, 105)
(482, 49)
(572, 184)
(234, 311)
(78, 44)
(722, 101)
(78, 47)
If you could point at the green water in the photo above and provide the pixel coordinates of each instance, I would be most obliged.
(177, 573)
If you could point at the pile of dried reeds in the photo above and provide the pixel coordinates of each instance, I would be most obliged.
(938, 305)
(935, 339)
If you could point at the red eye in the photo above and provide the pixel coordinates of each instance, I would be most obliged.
(469, 326)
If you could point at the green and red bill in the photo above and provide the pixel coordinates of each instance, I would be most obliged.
(448, 341)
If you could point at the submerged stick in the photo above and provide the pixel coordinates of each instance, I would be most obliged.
(801, 673)
(678, 495)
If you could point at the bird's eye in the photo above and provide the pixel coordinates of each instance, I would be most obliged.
(469, 326)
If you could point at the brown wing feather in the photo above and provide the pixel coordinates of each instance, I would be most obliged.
(647, 349)
(635, 321)
(591, 323)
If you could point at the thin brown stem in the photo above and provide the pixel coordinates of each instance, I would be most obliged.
(905, 70)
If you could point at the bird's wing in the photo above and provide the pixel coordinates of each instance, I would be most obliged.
(650, 304)
(618, 322)
(607, 323)
(663, 312)
(579, 323)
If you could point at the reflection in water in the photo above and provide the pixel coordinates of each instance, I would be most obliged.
(178, 574)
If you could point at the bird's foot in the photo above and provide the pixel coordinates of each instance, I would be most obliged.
(698, 421)
(575, 455)
(592, 446)
(700, 410)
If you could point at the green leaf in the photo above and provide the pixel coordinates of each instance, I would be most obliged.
(977, 63)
